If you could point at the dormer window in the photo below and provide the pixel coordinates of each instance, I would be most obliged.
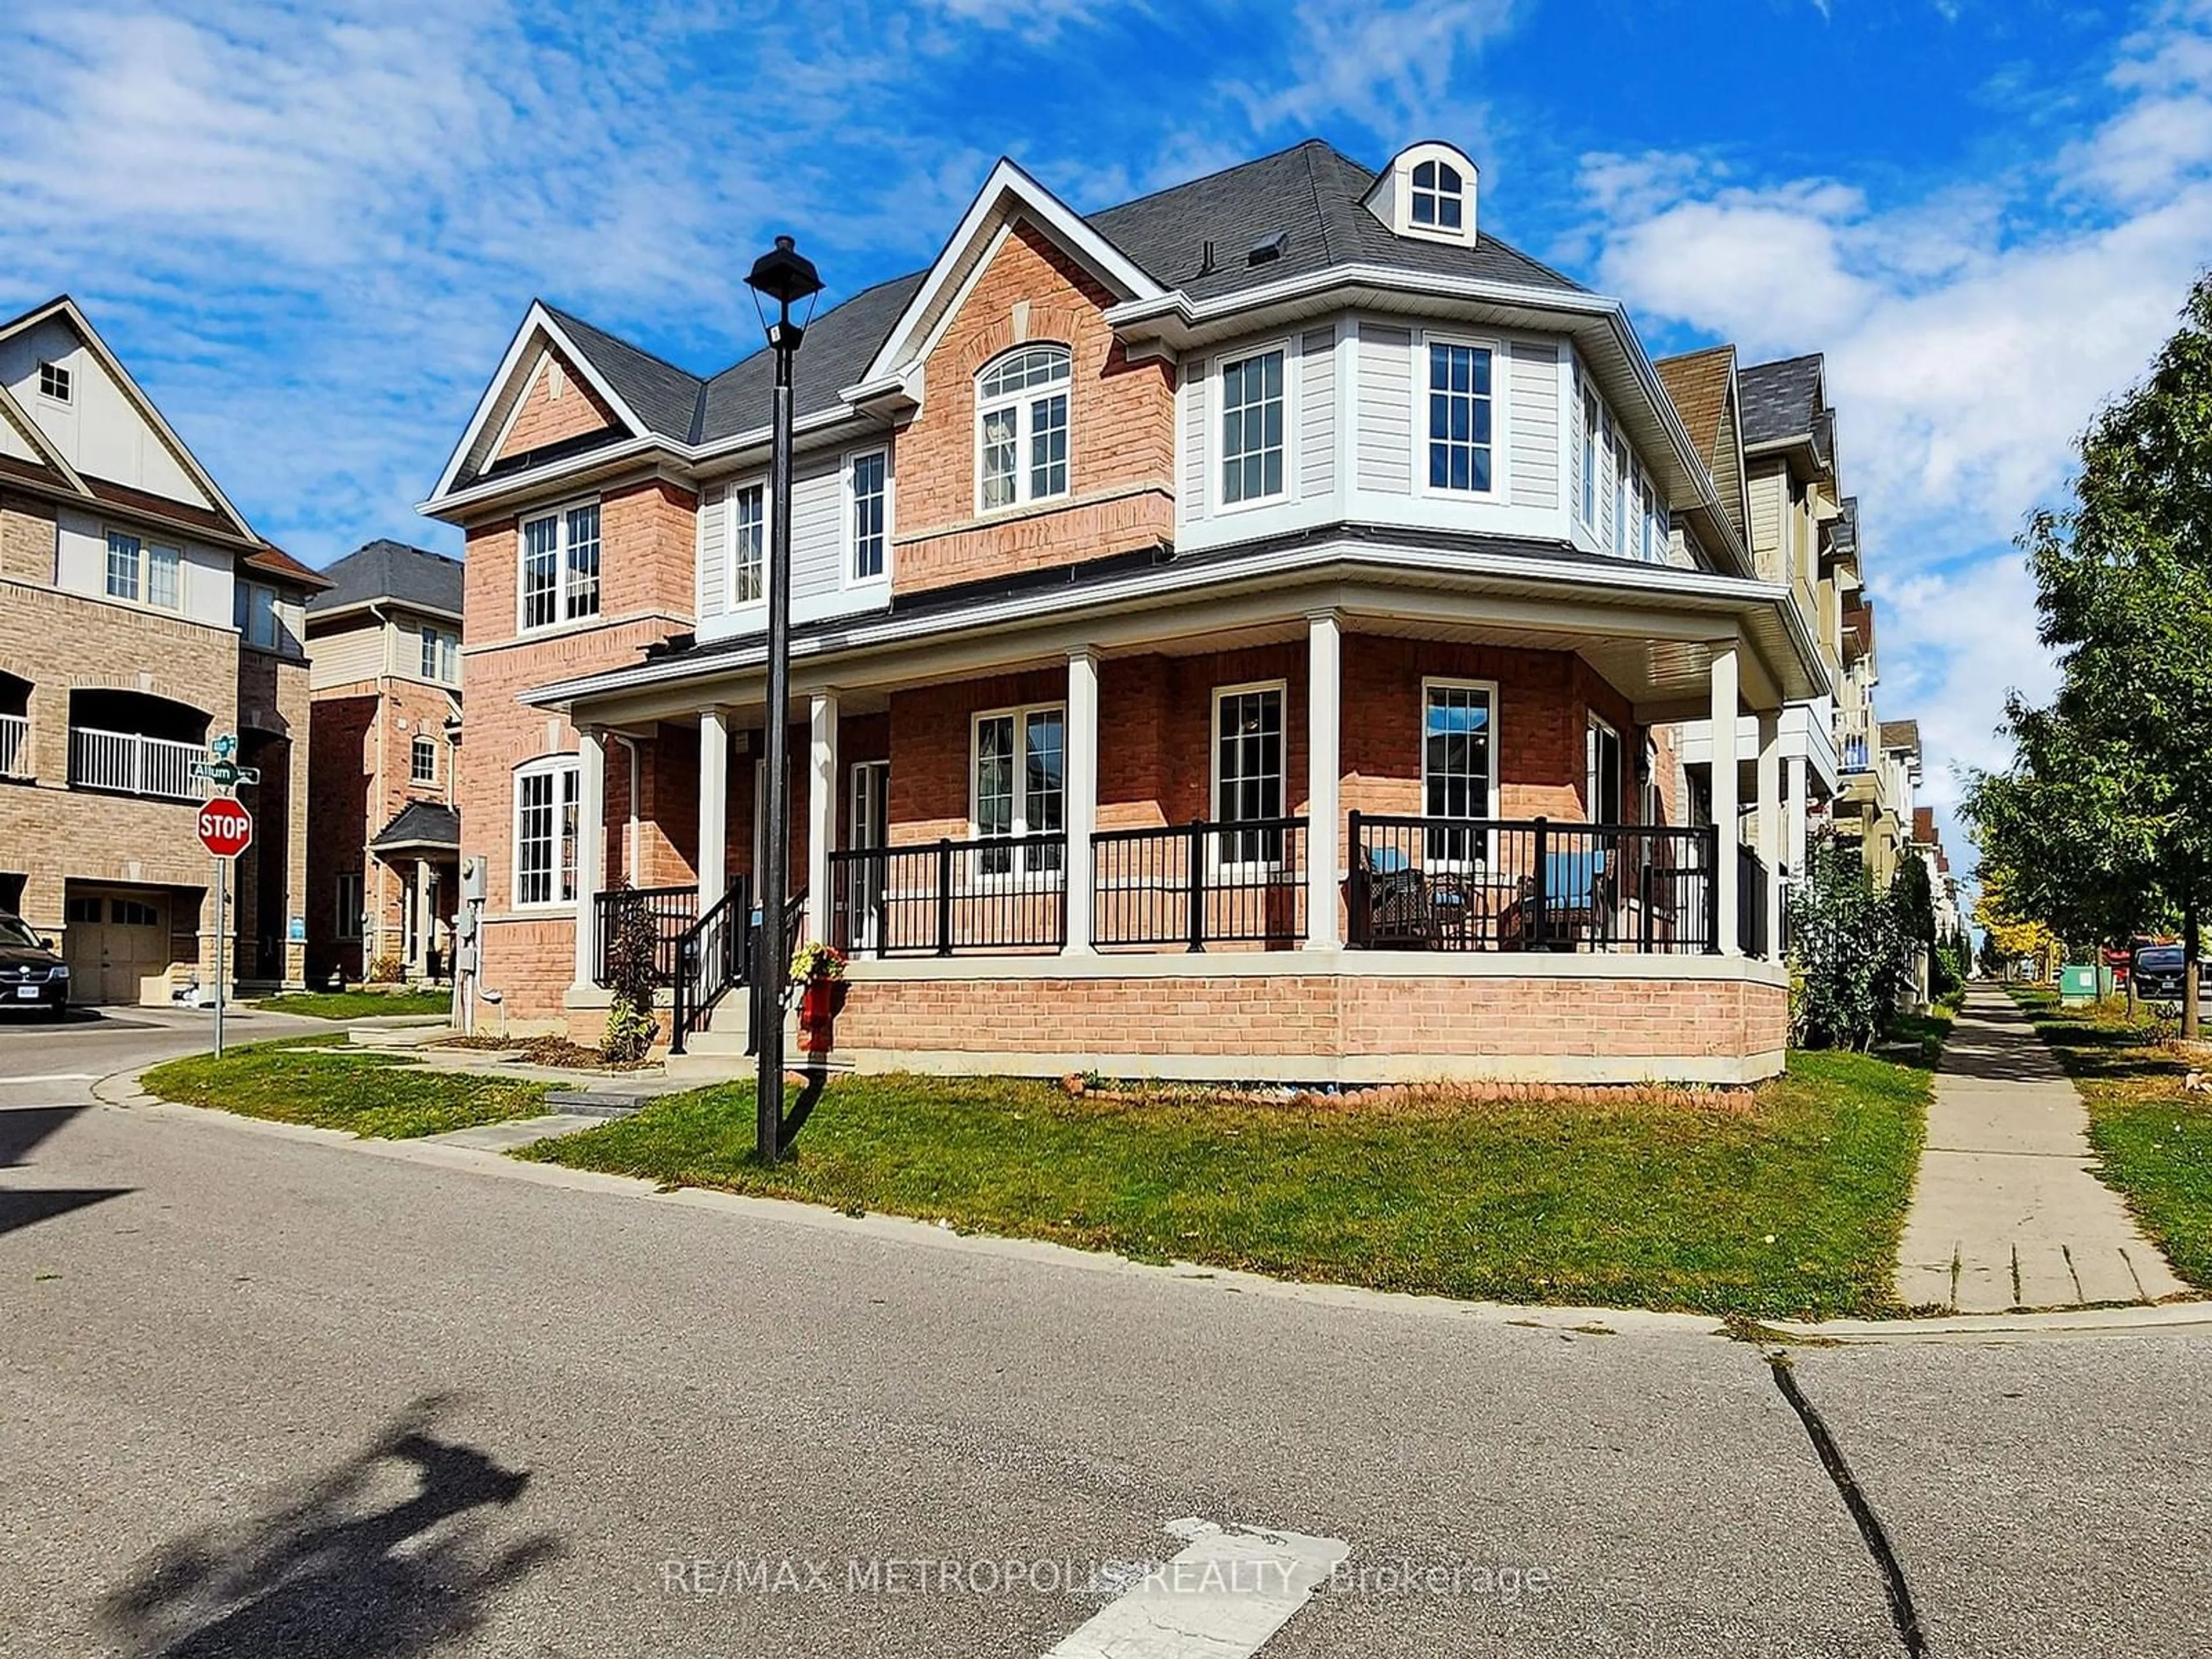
(1438, 198)
(54, 382)
(1427, 191)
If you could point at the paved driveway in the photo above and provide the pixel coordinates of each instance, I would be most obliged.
(263, 1394)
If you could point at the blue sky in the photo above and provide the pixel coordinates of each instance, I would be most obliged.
(310, 229)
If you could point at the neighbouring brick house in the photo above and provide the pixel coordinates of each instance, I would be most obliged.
(1238, 633)
(140, 616)
(383, 840)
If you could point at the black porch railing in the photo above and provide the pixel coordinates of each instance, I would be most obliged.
(671, 911)
(938, 898)
(1750, 901)
(1200, 883)
(713, 957)
(1531, 884)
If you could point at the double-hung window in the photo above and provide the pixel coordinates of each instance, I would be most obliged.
(545, 795)
(1020, 428)
(1020, 779)
(560, 566)
(868, 498)
(123, 554)
(422, 761)
(1603, 791)
(441, 653)
(1252, 427)
(1459, 772)
(348, 916)
(1590, 459)
(253, 613)
(1247, 773)
(749, 545)
(1461, 412)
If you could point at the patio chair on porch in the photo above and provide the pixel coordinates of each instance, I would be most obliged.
(1578, 901)
(1407, 910)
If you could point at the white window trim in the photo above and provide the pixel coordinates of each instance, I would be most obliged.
(1594, 724)
(143, 599)
(731, 603)
(858, 777)
(1500, 492)
(559, 514)
(1464, 233)
(1489, 690)
(1214, 860)
(1589, 434)
(67, 396)
(1020, 875)
(1020, 403)
(573, 765)
(415, 744)
(849, 508)
(1218, 406)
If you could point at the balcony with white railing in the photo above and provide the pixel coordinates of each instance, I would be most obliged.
(126, 764)
(15, 746)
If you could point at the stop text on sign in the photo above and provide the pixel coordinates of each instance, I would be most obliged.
(225, 829)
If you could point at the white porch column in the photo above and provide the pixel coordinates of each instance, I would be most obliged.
(1723, 718)
(1770, 824)
(714, 807)
(821, 811)
(1324, 768)
(591, 846)
(424, 918)
(1080, 781)
(1796, 802)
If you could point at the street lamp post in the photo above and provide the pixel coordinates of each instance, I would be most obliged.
(787, 277)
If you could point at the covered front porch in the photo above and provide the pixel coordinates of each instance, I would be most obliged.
(1112, 856)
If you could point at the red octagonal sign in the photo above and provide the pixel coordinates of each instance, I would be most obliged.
(225, 829)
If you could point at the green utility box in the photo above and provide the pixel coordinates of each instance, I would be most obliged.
(2082, 983)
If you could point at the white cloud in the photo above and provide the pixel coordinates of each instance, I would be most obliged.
(1970, 335)
(1388, 65)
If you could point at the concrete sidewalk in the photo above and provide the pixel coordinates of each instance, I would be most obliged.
(2007, 1212)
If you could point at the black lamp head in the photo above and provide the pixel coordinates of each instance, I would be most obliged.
(784, 275)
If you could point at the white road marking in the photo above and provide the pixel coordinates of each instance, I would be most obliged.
(1223, 1597)
(53, 1077)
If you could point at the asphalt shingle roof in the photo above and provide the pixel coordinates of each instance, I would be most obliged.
(421, 823)
(1697, 386)
(385, 570)
(1901, 734)
(1310, 194)
(1780, 400)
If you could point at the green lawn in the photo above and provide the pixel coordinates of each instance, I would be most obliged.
(357, 1005)
(1786, 1201)
(2152, 1138)
(385, 1096)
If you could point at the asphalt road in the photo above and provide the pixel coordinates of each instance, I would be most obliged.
(269, 1395)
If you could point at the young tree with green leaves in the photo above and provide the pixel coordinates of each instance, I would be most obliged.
(2105, 819)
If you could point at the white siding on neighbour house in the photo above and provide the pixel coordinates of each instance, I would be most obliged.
(1385, 439)
(349, 655)
(1316, 414)
(100, 429)
(713, 536)
(1196, 391)
(818, 553)
(1533, 470)
(1769, 492)
(1608, 471)
(1574, 444)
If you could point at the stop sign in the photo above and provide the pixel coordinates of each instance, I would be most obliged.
(225, 829)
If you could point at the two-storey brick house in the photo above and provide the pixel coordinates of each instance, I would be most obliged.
(140, 615)
(384, 845)
(1232, 630)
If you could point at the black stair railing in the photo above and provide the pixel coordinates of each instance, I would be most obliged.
(711, 960)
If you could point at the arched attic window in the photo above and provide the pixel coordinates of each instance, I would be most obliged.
(1021, 426)
(1439, 196)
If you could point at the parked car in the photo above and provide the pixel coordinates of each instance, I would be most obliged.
(2158, 973)
(30, 974)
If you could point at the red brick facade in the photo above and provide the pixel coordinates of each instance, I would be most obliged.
(558, 404)
(1120, 418)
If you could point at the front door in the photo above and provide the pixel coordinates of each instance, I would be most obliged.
(870, 828)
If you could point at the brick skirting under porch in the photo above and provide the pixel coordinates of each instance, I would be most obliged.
(1348, 1018)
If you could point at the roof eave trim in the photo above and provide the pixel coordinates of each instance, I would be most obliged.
(1743, 594)
(537, 316)
(1007, 179)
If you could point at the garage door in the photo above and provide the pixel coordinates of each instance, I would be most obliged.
(117, 945)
